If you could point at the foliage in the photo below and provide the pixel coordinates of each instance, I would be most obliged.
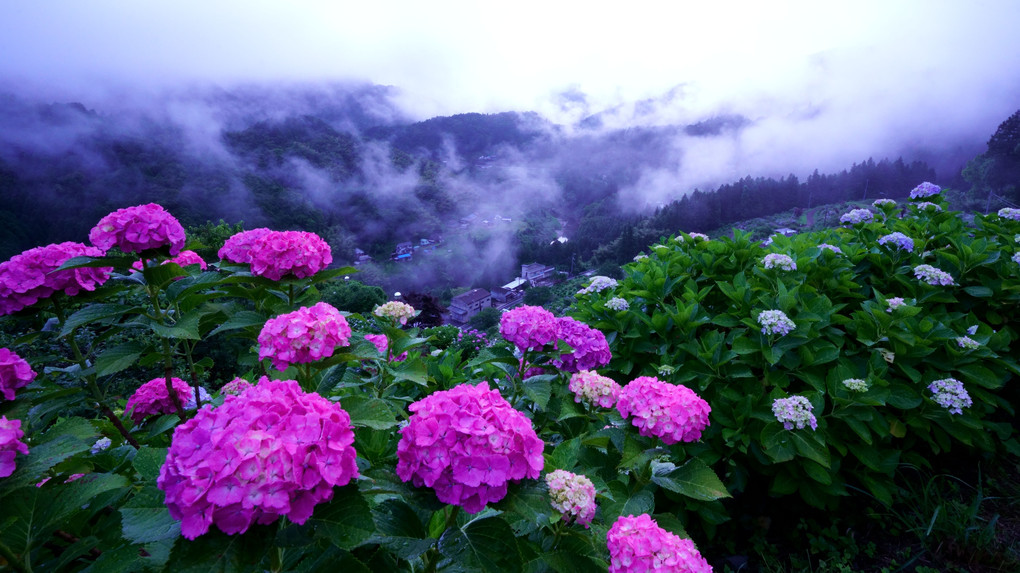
(486, 319)
(351, 295)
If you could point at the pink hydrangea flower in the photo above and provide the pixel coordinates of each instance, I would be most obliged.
(139, 228)
(399, 311)
(10, 444)
(671, 412)
(14, 373)
(467, 443)
(183, 259)
(152, 398)
(572, 495)
(528, 327)
(638, 545)
(590, 349)
(308, 334)
(279, 253)
(381, 344)
(29, 277)
(236, 248)
(271, 451)
(235, 387)
(591, 388)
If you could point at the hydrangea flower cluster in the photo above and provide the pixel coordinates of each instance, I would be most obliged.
(640, 257)
(783, 262)
(29, 277)
(950, 394)
(899, 239)
(381, 344)
(598, 284)
(670, 412)
(191, 403)
(638, 545)
(618, 304)
(139, 228)
(279, 253)
(572, 495)
(308, 334)
(1009, 213)
(895, 303)
(775, 322)
(590, 349)
(398, 311)
(528, 327)
(1016, 258)
(271, 451)
(10, 444)
(856, 216)
(183, 259)
(236, 249)
(591, 388)
(925, 189)
(698, 236)
(152, 398)
(972, 330)
(14, 373)
(928, 206)
(933, 276)
(794, 411)
(880, 203)
(235, 387)
(856, 384)
(100, 445)
(967, 343)
(466, 443)
(833, 248)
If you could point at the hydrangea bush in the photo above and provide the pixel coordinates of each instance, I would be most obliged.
(445, 460)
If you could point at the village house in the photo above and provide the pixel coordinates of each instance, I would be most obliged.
(466, 305)
(538, 274)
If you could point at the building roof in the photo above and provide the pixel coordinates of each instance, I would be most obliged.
(471, 296)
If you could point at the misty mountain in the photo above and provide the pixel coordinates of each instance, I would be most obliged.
(343, 161)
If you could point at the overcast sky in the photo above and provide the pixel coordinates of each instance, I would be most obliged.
(457, 56)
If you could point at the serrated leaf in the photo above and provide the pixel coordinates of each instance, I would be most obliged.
(400, 530)
(366, 411)
(93, 313)
(145, 518)
(119, 358)
(485, 545)
(346, 521)
(241, 319)
(693, 479)
(539, 388)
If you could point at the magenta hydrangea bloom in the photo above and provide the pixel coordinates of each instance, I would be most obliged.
(590, 347)
(308, 334)
(14, 373)
(467, 443)
(671, 412)
(271, 451)
(236, 248)
(638, 545)
(139, 228)
(235, 387)
(381, 344)
(591, 388)
(29, 277)
(528, 327)
(572, 495)
(279, 253)
(183, 259)
(152, 398)
(10, 444)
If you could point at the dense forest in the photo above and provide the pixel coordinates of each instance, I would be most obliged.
(496, 189)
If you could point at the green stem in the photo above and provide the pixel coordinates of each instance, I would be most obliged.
(90, 380)
(188, 348)
(168, 373)
(13, 560)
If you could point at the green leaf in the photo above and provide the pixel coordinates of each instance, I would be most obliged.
(241, 319)
(400, 530)
(67, 438)
(93, 313)
(366, 411)
(526, 506)
(346, 521)
(145, 518)
(809, 445)
(486, 544)
(539, 389)
(979, 291)
(217, 552)
(693, 479)
(777, 443)
(119, 358)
